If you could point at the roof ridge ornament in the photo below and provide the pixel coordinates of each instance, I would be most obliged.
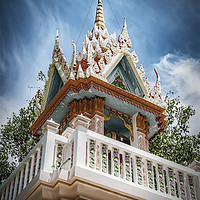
(59, 59)
(124, 39)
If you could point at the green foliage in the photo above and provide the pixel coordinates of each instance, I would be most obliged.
(41, 76)
(175, 143)
(16, 138)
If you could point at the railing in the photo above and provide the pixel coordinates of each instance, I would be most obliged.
(105, 156)
(115, 159)
(40, 158)
(24, 173)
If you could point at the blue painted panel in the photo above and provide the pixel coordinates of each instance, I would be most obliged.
(56, 84)
(129, 80)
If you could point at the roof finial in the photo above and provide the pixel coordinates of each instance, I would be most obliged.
(57, 37)
(57, 33)
(124, 26)
(99, 20)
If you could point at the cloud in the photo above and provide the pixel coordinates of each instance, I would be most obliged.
(24, 58)
(182, 76)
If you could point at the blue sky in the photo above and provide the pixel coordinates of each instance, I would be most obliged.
(164, 33)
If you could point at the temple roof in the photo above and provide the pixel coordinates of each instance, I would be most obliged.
(105, 67)
(106, 58)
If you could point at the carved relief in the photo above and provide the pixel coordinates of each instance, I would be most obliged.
(97, 124)
(143, 143)
(87, 107)
(142, 132)
(142, 124)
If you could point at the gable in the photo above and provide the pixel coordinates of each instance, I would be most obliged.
(55, 85)
(123, 76)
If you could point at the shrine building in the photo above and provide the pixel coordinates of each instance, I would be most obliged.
(98, 115)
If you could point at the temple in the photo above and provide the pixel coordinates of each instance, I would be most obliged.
(98, 115)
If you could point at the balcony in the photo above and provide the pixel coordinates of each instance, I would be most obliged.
(88, 165)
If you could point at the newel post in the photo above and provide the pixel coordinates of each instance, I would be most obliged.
(49, 129)
(196, 166)
(81, 124)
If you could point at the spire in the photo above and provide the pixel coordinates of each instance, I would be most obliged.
(124, 26)
(57, 37)
(124, 40)
(99, 20)
(57, 50)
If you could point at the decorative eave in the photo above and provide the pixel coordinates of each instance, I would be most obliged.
(93, 82)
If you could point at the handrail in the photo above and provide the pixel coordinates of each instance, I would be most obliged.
(22, 163)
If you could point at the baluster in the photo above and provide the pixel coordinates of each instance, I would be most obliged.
(165, 173)
(21, 179)
(58, 155)
(26, 174)
(134, 169)
(92, 149)
(3, 194)
(191, 188)
(37, 161)
(11, 189)
(115, 162)
(150, 176)
(31, 168)
(139, 174)
(176, 180)
(161, 182)
(181, 185)
(7, 191)
(127, 167)
(171, 181)
(144, 172)
(104, 158)
(97, 156)
(16, 184)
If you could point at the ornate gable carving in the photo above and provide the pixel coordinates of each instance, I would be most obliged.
(142, 124)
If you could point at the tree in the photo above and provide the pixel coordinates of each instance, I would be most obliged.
(175, 143)
(16, 138)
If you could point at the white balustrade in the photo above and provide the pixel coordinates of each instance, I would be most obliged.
(17, 181)
(105, 156)
(138, 167)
